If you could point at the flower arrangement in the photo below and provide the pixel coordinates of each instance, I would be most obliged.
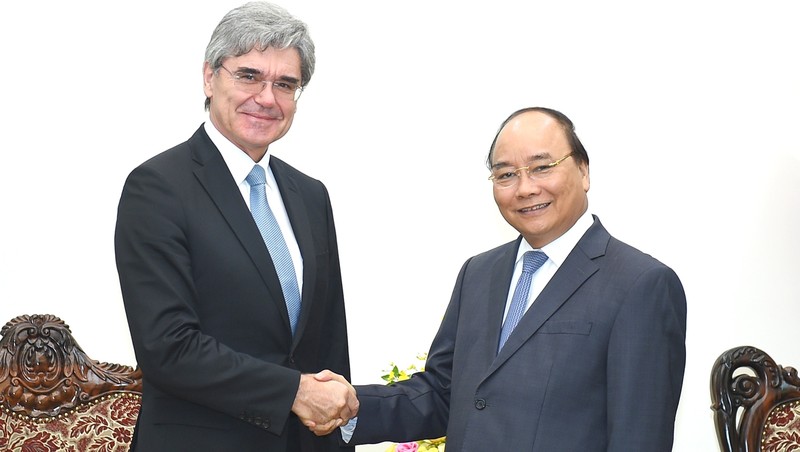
(395, 374)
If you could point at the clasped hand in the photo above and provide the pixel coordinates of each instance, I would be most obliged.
(325, 401)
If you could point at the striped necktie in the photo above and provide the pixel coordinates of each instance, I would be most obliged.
(271, 233)
(532, 261)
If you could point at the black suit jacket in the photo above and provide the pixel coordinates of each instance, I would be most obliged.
(205, 308)
(596, 364)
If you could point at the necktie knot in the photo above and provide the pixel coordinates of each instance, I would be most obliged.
(257, 176)
(532, 261)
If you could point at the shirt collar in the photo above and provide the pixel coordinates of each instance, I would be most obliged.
(558, 250)
(239, 163)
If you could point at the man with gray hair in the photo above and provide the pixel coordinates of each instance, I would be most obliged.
(228, 263)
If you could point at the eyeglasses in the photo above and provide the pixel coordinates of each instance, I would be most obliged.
(252, 83)
(507, 178)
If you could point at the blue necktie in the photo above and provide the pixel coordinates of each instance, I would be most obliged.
(531, 262)
(276, 245)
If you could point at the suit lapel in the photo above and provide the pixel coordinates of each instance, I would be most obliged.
(499, 286)
(214, 176)
(298, 216)
(576, 269)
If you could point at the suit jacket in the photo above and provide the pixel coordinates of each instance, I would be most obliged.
(206, 312)
(596, 364)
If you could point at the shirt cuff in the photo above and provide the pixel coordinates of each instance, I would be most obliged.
(348, 429)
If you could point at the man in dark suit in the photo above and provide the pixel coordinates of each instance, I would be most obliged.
(231, 315)
(596, 360)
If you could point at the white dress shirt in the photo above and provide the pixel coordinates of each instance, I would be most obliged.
(556, 251)
(240, 164)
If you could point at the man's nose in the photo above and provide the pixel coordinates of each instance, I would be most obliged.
(266, 96)
(526, 185)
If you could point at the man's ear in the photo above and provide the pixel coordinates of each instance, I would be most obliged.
(208, 74)
(585, 172)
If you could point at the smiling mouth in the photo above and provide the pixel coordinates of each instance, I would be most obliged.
(263, 117)
(534, 208)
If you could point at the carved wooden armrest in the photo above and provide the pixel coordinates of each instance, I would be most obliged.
(744, 403)
(44, 372)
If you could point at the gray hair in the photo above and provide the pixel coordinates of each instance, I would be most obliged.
(259, 25)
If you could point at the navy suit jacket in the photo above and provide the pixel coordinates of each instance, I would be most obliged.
(596, 364)
(206, 312)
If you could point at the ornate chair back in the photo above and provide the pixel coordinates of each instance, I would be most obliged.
(55, 398)
(756, 402)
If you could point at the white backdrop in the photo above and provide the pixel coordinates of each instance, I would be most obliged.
(688, 110)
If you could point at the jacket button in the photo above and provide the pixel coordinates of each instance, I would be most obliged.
(480, 404)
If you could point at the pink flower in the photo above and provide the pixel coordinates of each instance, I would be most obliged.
(407, 447)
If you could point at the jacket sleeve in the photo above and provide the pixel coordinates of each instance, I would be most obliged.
(417, 408)
(646, 360)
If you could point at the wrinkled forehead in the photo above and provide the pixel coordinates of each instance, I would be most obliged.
(270, 61)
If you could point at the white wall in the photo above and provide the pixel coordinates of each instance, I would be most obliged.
(688, 110)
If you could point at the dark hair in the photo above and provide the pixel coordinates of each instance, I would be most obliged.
(579, 152)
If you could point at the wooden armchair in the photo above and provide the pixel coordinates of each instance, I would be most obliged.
(758, 410)
(55, 398)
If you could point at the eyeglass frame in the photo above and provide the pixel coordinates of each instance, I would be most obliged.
(239, 81)
(529, 171)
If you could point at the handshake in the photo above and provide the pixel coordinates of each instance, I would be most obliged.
(324, 402)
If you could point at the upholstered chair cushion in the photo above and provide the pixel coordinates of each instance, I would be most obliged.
(782, 429)
(104, 426)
